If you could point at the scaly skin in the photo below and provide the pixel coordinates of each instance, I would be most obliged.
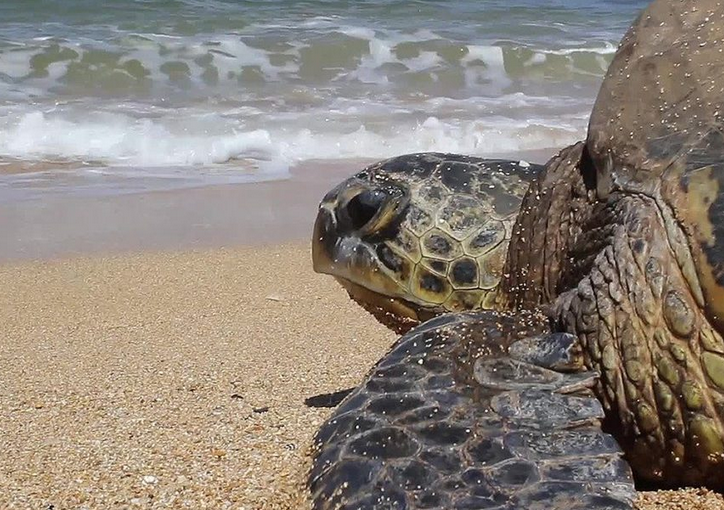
(633, 309)
(658, 355)
(449, 420)
(551, 218)
(631, 228)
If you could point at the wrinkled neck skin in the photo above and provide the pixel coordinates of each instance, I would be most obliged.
(551, 220)
(619, 274)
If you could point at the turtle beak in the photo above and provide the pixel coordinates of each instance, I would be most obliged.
(324, 240)
(347, 216)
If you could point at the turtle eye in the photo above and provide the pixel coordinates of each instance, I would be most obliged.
(363, 207)
(370, 210)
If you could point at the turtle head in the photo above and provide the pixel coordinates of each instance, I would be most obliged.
(420, 235)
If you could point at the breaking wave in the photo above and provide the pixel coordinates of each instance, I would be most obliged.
(236, 91)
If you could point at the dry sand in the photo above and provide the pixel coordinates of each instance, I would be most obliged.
(170, 380)
(177, 380)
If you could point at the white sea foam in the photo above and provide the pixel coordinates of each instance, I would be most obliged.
(607, 49)
(492, 70)
(119, 140)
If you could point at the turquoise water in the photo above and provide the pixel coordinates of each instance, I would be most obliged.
(204, 91)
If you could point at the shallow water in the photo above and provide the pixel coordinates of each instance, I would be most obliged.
(128, 95)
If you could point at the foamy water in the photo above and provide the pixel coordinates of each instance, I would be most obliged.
(189, 92)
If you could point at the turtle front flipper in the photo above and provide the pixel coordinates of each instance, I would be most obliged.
(465, 412)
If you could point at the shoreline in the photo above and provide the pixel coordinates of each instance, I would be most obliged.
(214, 216)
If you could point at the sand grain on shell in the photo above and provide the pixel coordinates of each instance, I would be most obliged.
(178, 380)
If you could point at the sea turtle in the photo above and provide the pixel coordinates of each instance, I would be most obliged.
(605, 320)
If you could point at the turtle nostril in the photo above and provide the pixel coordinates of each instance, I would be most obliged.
(363, 207)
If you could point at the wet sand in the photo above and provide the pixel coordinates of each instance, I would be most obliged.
(139, 372)
(179, 219)
(188, 218)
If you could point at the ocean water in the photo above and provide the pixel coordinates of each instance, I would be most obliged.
(122, 95)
